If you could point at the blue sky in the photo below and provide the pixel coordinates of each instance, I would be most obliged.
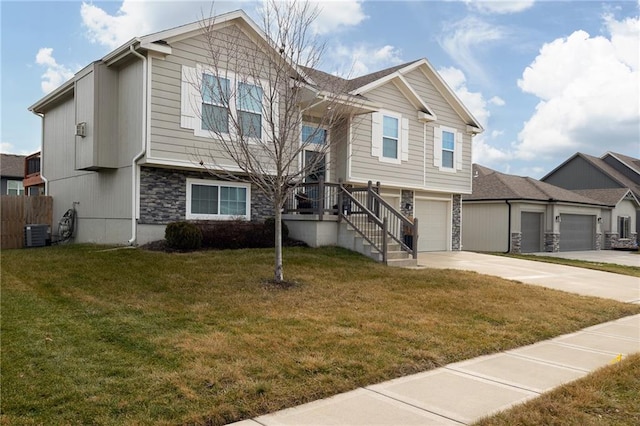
(545, 78)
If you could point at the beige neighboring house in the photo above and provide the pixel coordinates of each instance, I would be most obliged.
(117, 138)
(507, 213)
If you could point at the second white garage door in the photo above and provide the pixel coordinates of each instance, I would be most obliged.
(433, 225)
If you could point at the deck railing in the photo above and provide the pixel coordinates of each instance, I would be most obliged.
(363, 208)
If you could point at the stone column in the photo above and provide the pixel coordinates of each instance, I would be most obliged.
(551, 242)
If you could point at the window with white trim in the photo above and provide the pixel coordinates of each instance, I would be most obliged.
(208, 199)
(250, 110)
(624, 227)
(315, 156)
(389, 137)
(209, 101)
(215, 95)
(447, 149)
(15, 187)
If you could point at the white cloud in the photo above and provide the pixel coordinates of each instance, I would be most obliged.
(500, 6)
(337, 14)
(139, 18)
(483, 152)
(55, 73)
(463, 39)
(353, 61)
(498, 101)
(589, 92)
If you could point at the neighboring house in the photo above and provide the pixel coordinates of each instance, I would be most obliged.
(33, 183)
(11, 174)
(612, 170)
(118, 136)
(507, 213)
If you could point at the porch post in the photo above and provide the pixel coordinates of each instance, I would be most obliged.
(415, 238)
(320, 203)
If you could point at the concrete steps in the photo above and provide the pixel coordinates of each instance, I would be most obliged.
(352, 240)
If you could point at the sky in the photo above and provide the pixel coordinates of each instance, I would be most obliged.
(546, 79)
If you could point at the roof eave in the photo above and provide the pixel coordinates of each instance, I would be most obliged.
(59, 93)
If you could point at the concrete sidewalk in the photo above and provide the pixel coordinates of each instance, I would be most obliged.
(618, 257)
(464, 392)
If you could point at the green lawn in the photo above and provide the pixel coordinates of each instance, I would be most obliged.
(127, 336)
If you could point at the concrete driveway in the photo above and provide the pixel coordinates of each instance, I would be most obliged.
(586, 282)
(618, 257)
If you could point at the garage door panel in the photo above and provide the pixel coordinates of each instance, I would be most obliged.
(531, 228)
(433, 225)
(577, 232)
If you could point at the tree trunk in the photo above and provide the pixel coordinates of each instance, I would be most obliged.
(277, 272)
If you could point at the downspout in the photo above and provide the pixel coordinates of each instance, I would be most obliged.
(44, 179)
(508, 228)
(138, 156)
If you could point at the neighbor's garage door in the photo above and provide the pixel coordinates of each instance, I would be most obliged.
(531, 226)
(577, 232)
(433, 225)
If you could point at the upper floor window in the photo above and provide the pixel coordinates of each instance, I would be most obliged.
(222, 104)
(447, 149)
(389, 137)
(215, 95)
(250, 110)
(314, 135)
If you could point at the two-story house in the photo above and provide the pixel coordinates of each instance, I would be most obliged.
(119, 138)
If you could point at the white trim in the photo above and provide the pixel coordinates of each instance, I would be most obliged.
(197, 216)
(194, 166)
(377, 137)
(438, 149)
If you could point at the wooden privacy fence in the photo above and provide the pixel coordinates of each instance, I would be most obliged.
(18, 211)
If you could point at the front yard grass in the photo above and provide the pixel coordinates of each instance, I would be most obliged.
(127, 336)
(608, 396)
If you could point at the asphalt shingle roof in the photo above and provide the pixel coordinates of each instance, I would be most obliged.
(492, 185)
(12, 165)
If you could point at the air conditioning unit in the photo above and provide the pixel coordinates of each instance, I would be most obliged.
(81, 129)
(36, 235)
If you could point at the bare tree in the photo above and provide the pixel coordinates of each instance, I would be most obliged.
(256, 95)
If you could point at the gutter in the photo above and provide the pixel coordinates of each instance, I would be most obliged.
(138, 156)
(44, 179)
(508, 228)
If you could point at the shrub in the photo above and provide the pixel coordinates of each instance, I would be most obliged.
(183, 236)
(239, 234)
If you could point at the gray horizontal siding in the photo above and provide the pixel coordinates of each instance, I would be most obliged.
(364, 166)
(447, 116)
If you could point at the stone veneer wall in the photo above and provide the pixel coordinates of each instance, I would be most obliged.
(598, 241)
(456, 222)
(612, 241)
(516, 243)
(406, 199)
(551, 242)
(163, 196)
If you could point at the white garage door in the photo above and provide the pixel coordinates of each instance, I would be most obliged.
(577, 232)
(433, 225)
